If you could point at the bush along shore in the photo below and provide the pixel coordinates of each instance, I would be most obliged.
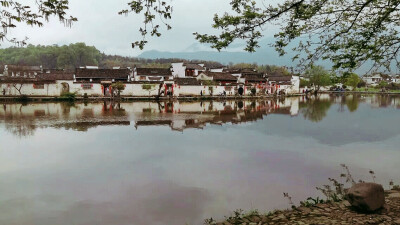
(363, 203)
(322, 213)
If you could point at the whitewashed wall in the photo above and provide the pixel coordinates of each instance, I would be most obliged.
(178, 69)
(131, 89)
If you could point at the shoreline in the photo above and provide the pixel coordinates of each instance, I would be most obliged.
(133, 99)
(360, 92)
(323, 213)
(5, 99)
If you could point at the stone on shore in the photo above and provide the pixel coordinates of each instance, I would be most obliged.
(367, 197)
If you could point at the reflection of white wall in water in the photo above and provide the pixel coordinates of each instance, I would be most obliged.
(324, 97)
(178, 124)
(189, 106)
(294, 106)
(139, 107)
(292, 103)
(57, 110)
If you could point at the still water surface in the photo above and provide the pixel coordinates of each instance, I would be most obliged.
(182, 162)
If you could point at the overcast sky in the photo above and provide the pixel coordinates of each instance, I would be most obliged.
(100, 25)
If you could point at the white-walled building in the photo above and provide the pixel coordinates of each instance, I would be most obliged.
(152, 74)
(186, 69)
(286, 84)
(375, 79)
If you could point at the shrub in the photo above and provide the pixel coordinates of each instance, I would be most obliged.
(393, 86)
(361, 84)
(253, 91)
(23, 98)
(68, 96)
(119, 86)
(383, 84)
(304, 83)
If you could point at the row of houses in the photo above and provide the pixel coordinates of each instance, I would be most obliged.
(181, 79)
(375, 79)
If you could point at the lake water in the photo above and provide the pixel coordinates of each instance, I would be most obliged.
(182, 162)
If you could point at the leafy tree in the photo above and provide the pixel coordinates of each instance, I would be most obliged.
(334, 78)
(352, 80)
(273, 69)
(304, 83)
(150, 10)
(119, 86)
(349, 33)
(382, 84)
(318, 76)
(243, 66)
(361, 84)
(15, 12)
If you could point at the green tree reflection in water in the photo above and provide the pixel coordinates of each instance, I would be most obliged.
(352, 103)
(316, 109)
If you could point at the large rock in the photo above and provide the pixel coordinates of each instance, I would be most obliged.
(366, 197)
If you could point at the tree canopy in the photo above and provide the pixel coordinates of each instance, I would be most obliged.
(13, 12)
(69, 57)
(352, 80)
(318, 76)
(348, 33)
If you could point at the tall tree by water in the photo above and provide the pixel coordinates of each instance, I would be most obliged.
(318, 76)
(348, 33)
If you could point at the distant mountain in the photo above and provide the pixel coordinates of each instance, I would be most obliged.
(235, 54)
(262, 56)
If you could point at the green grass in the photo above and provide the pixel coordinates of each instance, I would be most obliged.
(372, 89)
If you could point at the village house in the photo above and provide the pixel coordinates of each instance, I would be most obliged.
(152, 74)
(187, 69)
(395, 79)
(45, 84)
(213, 67)
(253, 78)
(20, 71)
(98, 81)
(188, 86)
(287, 84)
(240, 72)
(375, 79)
(219, 78)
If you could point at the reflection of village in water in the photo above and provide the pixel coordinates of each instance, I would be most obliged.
(24, 119)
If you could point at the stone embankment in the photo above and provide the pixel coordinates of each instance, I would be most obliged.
(143, 98)
(327, 213)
